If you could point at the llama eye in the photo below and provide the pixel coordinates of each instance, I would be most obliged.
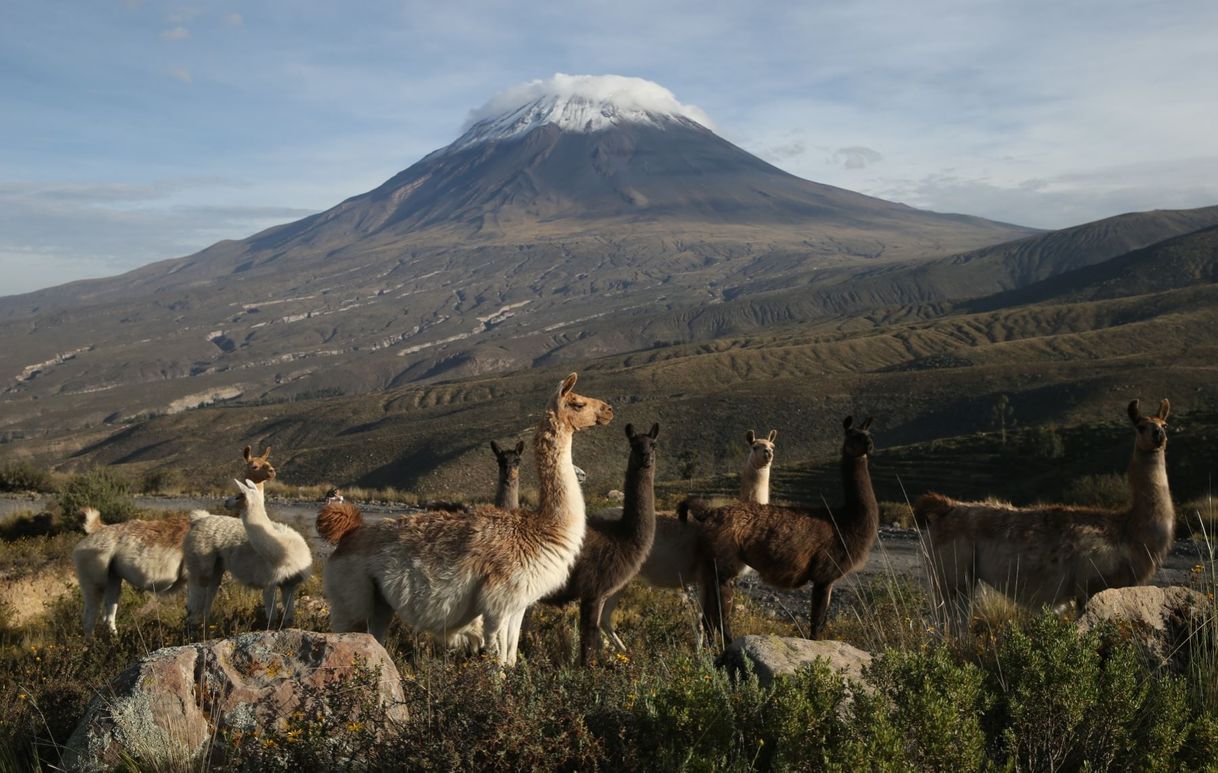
(578, 406)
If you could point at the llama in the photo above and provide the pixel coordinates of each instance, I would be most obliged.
(789, 547)
(673, 560)
(614, 549)
(755, 476)
(1052, 554)
(147, 554)
(257, 551)
(441, 572)
(507, 491)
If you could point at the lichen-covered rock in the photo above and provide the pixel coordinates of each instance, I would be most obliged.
(181, 705)
(776, 656)
(1162, 618)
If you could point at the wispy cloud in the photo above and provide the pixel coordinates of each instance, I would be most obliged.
(175, 33)
(181, 73)
(856, 157)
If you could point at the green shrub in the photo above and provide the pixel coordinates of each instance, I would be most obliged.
(1043, 442)
(23, 476)
(1110, 491)
(938, 706)
(165, 480)
(99, 488)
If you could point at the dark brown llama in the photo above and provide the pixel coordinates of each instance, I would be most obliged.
(1051, 554)
(614, 549)
(789, 546)
(507, 491)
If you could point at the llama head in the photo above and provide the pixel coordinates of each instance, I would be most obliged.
(248, 496)
(576, 412)
(258, 468)
(1151, 430)
(858, 440)
(642, 446)
(761, 450)
(509, 460)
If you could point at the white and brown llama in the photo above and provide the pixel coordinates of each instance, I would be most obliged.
(147, 554)
(1052, 554)
(442, 572)
(257, 551)
(755, 476)
(789, 547)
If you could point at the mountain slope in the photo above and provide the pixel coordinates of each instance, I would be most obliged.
(552, 230)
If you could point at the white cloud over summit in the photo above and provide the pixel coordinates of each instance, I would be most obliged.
(625, 94)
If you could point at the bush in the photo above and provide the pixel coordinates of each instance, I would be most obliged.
(102, 489)
(23, 476)
(1108, 491)
(165, 480)
(1043, 442)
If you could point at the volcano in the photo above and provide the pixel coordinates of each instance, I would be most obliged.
(573, 217)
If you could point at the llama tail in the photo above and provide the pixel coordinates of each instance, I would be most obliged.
(197, 514)
(337, 519)
(698, 507)
(929, 508)
(92, 520)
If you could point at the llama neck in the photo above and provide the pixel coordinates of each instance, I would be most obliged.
(560, 499)
(859, 497)
(639, 508)
(755, 484)
(507, 493)
(1152, 515)
(260, 531)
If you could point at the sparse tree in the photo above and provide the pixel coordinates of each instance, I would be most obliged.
(1004, 417)
(687, 464)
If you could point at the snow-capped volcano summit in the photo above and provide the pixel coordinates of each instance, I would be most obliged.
(576, 103)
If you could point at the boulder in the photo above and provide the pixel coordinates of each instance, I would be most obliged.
(616, 495)
(1162, 618)
(775, 656)
(180, 706)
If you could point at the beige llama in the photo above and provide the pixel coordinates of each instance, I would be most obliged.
(1051, 554)
(755, 476)
(147, 554)
(257, 551)
(442, 572)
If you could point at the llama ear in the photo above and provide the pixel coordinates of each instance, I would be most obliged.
(867, 423)
(520, 447)
(848, 423)
(773, 435)
(1164, 409)
(266, 454)
(240, 485)
(1134, 414)
(655, 431)
(567, 384)
(251, 485)
(246, 453)
(749, 437)
(495, 447)
(630, 430)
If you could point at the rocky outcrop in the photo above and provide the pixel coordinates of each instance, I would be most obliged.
(771, 657)
(1162, 619)
(181, 706)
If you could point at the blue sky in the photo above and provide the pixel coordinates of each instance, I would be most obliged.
(134, 131)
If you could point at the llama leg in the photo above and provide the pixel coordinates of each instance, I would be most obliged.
(495, 628)
(114, 586)
(380, 617)
(821, 593)
(91, 595)
(514, 626)
(209, 595)
(289, 603)
(607, 621)
(589, 629)
(268, 604)
(716, 607)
